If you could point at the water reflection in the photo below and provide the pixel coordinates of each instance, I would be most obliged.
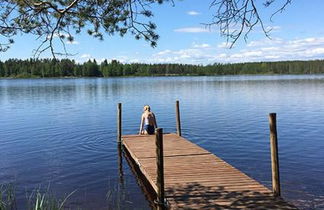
(63, 131)
(142, 182)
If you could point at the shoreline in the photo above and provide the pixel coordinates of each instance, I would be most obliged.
(155, 76)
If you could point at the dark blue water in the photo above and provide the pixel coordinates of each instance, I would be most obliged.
(61, 133)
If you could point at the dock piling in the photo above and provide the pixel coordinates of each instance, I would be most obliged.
(119, 122)
(178, 118)
(120, 163)
(274, 155)
(160, 168)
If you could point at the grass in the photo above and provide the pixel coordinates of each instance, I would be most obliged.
(7, 197)
(38, 199)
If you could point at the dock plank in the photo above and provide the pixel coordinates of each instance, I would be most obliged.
(198, 179)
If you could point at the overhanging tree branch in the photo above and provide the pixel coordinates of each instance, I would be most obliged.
(237, 17)
(58, 21)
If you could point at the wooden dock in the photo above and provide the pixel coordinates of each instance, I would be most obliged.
(197, 179)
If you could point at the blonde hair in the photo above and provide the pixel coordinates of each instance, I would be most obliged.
(147, 108)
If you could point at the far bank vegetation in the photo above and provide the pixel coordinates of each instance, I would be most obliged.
(39, 68)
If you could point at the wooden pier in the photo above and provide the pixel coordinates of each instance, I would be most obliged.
(197, 179)
(186, 176)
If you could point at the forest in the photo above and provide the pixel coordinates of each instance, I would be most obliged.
(40, 68)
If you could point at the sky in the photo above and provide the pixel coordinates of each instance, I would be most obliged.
(297, 34)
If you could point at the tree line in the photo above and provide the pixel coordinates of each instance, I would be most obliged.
(40, 68)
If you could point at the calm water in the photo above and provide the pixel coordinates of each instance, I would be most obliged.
(61, 133)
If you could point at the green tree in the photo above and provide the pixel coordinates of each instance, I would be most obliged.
(48, 19)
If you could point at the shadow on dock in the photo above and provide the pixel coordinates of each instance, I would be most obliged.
(188, 197)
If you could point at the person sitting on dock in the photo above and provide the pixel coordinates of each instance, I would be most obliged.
(148, 122)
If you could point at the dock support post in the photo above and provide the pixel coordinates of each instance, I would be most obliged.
(120, 163)
(274, 155)
(119, 143)
(119, 122)
(178, 118)
(160, 168)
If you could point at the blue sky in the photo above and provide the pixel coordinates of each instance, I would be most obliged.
(297, 34)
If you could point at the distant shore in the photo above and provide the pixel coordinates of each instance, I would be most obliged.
(65, 68)
(134, 76)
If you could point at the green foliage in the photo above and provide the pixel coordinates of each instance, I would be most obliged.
(44, 200)
(38, 200)
(62, 19)
(7, 197)
(69, 68)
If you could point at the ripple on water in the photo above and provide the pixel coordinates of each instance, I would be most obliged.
(63, 132)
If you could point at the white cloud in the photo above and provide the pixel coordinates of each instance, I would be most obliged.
(85, 56)
(204, 45)
(224, 45)
(135, 60)
(190, 55)
(278, 49)
(192, 30)
(193, 13)
(271, 57)
(264, 42)
(260, 50)
(164, 52)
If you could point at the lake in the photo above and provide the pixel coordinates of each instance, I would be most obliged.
(61, 133)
